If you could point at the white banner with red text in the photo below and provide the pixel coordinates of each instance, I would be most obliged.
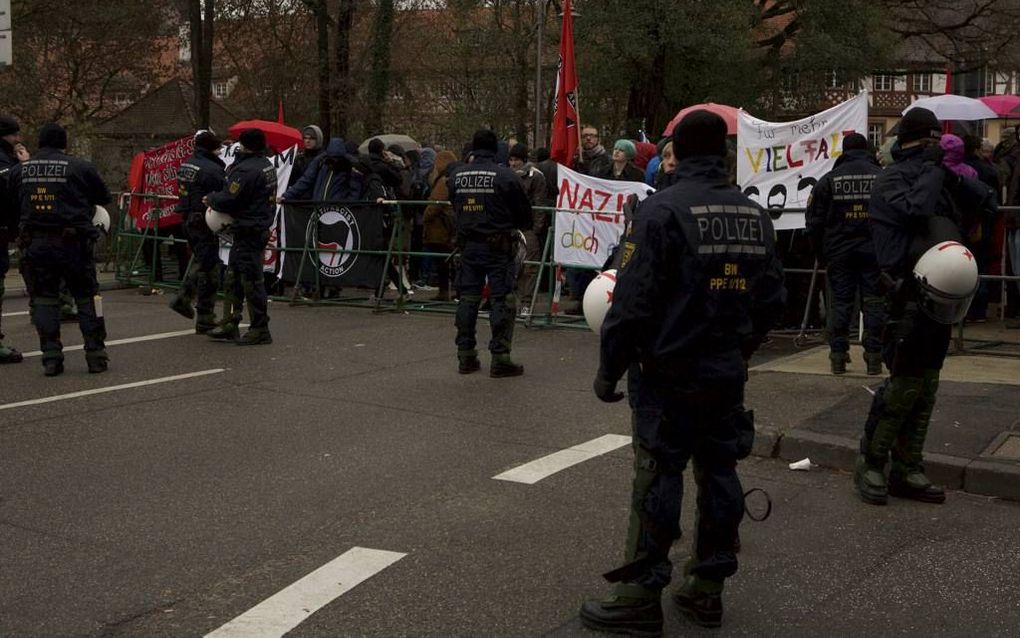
(588, 237)
(284, 163)
(779, 163)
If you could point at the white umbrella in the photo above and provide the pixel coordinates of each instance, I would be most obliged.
(954, 107)
(390, 139)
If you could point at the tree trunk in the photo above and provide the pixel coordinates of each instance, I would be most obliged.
(342, 89)
(322, 47)
(204, 88)
(379, 82)
(647, 96)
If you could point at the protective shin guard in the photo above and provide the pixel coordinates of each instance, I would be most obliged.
(92, 324)
(907, 478)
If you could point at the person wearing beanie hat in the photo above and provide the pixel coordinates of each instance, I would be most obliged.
(913, 207)
(622, 167)
(249, 197)
(490, 206)
(698, 288)
(198, 176)
(840, 236)
(10, 143)
(58, 196)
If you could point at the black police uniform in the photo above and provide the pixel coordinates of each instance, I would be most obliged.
(8, 230)
(200, 175)
(58, 195)
(698, 289)
(250, 198)
(490, 206)
(837, 224)
(909, 200)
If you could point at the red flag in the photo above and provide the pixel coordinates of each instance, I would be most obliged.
(279, 112)
(565, 133)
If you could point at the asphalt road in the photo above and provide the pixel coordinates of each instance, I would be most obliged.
(173, 508)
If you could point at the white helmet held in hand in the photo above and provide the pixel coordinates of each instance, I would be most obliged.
(947, 275)
(598, 297)
(101, 219)
(217, 221)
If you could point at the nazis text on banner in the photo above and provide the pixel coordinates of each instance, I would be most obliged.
(154, 172)
(778, 163)
(587, 239)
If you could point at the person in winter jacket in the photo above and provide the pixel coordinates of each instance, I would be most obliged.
(622, 168)
(312, 140)
(439, 232)
(336, 176)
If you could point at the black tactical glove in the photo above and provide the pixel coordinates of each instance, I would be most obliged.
(605, 389)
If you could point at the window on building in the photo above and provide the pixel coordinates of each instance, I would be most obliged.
(883, 82)
(922, 83)
(875, 134)
(832, 79)
(220, 89)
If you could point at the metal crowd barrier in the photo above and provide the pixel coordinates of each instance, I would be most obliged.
(394, 292)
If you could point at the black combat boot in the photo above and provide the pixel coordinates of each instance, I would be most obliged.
(97, 361)
(255, 338)
(874, 361)
(226, 331)
(623, 615)
(182, 306)
(468, 361)
(205, 324)
(502, 366)
(700, 601)
(53, 367)
(870, 482)
(9, 354)
(838, 361)
(916, 487)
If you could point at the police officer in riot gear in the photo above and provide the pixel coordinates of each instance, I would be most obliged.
(838, 228)
(10, 136)
(914, 205)
(698, 289)
(490, 205)
(58, 196)
(250, 198)
(199, 175)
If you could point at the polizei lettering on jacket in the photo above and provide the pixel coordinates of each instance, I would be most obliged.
(726, 229)
(478, 182)
(852, 187)
(40, 171)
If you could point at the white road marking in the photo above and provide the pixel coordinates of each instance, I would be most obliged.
(121, 342)
(112, 388)
(288, 608)
(535, 471)
(16, 314)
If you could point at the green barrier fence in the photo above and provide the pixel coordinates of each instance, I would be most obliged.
(394, 292)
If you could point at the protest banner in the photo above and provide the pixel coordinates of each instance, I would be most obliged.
(328, 228)
(778, 163)
(284, 163)
(588, 238)
(158, 176)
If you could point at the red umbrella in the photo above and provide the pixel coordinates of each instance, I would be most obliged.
(279, 136)
(1003, 105)
(727, 113)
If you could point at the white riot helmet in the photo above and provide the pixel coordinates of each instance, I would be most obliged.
(598, 297)
(217, 221)
(947, 275)
(101, 219)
